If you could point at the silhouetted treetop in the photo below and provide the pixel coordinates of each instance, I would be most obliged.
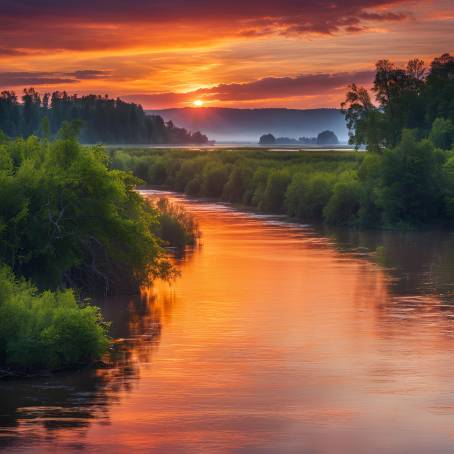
(103, 119)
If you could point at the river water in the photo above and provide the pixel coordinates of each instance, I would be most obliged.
(275, 338)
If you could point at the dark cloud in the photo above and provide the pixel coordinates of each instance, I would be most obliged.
(262, 89)
(89, 74)
(101, 23)
(11, 52)
(35, 78)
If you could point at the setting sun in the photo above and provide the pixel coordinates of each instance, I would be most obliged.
(198, 103)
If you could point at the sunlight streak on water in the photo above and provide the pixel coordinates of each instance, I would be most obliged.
(275, 338)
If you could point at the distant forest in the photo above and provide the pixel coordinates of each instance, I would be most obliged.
(324, 138)
(106, 120)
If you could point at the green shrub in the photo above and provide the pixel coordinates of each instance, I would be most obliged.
(442, 133)
(237, 184)
(404, 185)
(343, 206)
(188, 170)
(194, 187)
(308, 194)
(46, 330)
(157, 172)
(370, 176)
(259, 181)
(275, 189)
(214, 178)
(176, 226)
(67, 220)
(448, 183)
(412, 178)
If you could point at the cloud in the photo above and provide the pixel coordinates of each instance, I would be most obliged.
(103, 24)
(90, 74)
(260, 90)
(11, 52)
(35, 78)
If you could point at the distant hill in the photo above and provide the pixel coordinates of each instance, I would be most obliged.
(248, 125)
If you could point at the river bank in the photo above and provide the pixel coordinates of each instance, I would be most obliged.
(271, 333)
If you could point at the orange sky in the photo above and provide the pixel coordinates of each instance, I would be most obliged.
(168, 53)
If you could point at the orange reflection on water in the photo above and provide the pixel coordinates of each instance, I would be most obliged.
(277, 341)
(272, 339)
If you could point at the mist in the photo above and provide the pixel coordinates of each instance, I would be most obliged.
(248, 125)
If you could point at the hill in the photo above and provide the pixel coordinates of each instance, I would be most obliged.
(248, 125)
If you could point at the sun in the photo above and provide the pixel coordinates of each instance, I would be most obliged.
(198, 103)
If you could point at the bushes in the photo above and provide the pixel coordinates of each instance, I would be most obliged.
(308, 194)
(448, 184)
(67, 220)
(275, 189)
(442, 133)
(189, 169)
(46, 330)
(411, 192)
(406, 186)
(236, 188)
(344, 203)
(176, 227)
(215, 176)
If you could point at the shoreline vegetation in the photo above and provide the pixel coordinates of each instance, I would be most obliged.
(404, 180)
(72, 223)
(72, 228)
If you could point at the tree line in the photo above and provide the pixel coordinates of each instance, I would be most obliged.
(404, 180)
(324, 138)
(103, 119)
(413, 97)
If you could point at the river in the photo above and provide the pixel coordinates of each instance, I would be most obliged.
(277, 338)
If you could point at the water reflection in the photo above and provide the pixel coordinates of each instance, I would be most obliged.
(277, 337)
(418, 262)
(42, 410)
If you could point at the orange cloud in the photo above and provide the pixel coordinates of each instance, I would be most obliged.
(168, 52)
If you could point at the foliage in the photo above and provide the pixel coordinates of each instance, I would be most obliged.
(411, 192)
(405, 98)
(308, 194)
(67, 220)
(442, 133)
(327, 138)
(103, 119)
(342, 207)
(267, 139)
(409, 185)
(299, 184)
(275, 189)
(46, 330)
(176, 226)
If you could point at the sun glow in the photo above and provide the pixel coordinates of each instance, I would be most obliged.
(198, 103)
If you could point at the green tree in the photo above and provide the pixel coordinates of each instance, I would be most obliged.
(442, 133)
(411, 192)
(342, 208)
(67, 220)
(274, 194)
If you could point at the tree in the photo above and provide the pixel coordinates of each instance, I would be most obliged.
(104, 120)
(67, 220)
(412, 178)
(364, 120)
(327, 138)
(442, 133)
(31, 111)
(267, 139)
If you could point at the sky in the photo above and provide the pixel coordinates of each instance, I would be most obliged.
(228, 53)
